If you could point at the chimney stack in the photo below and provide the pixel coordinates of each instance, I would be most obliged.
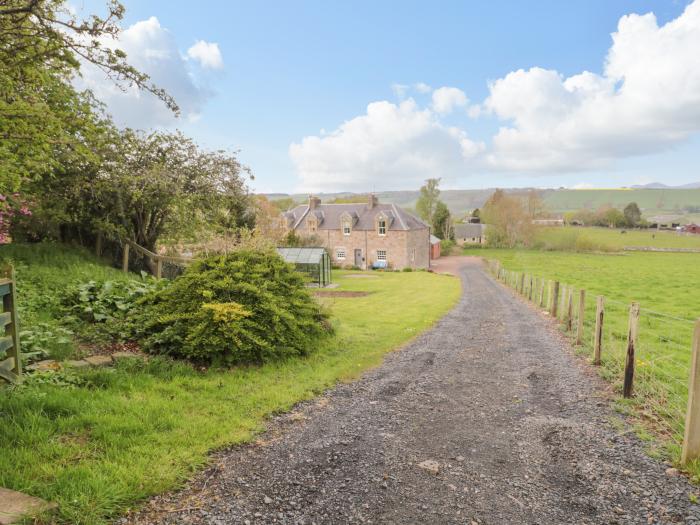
(372, 201)
(313, 202)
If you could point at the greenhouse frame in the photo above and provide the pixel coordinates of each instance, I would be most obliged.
(314, 262)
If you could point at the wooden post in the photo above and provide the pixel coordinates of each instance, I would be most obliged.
(98, 245)
(125, 258)
(691, 437)
(522, 283)
(11, 367)
(159, 268)
(570, 309)
(581, 316)
(599, 317)
(541, 301)
(530, 290)
(555, 299)
(632, 333)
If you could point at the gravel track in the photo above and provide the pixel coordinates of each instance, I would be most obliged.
(519, 429)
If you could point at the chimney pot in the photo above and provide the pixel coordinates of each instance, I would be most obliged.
(372, 201)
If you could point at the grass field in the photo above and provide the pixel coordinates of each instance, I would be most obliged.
(665, 285)
(607, 239)
(100, 441)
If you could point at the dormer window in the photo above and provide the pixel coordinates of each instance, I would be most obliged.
(346, 223)
(312, 224)
(381, 226)
(346, 227)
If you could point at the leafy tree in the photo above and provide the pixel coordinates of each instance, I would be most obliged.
(509, 223)
(442, 221)
(42, 117)
(148, 185)
(283, 204)
(632, 214)
(428, 199)
(535, 205)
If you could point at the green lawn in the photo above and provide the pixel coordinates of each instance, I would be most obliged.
(605, 239)
(104, 440)
(666, 287)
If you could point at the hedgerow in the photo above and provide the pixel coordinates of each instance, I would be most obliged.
(243, 307)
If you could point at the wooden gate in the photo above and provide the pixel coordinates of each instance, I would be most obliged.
(10, 360)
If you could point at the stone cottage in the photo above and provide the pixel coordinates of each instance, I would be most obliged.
(364, 235)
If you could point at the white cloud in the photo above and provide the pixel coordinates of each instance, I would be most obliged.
(446, 99)
(152, 49)
(207, 54)
(392, 145)
(646, 100)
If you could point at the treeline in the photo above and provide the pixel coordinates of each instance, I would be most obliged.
(67, 172)
(609, 217)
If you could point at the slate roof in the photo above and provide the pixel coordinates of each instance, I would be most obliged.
(464, 231)
(329, 216)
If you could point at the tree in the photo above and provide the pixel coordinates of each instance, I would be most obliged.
(148, 185)
(633, 214)
(508, 221)
(428, 198)
(442, 221)
(42, 117)
(535, 205)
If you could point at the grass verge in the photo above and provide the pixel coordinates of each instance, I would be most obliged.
(99, 442)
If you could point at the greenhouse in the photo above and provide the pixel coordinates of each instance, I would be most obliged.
(314, 262)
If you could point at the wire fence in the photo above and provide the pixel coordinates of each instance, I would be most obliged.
(648, 352)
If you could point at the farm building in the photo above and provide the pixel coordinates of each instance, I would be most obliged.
(691, 228)
(363, 235)
(470, 234)
(434, 247)
(548, 222)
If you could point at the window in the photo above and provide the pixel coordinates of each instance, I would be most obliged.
(346, 227)
(340, 254)
(381, 255)
(413, 254)
(381, 226)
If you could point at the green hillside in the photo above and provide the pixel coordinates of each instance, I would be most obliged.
(460, 202)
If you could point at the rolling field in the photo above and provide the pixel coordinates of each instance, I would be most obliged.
(666, 287)
(607, 239)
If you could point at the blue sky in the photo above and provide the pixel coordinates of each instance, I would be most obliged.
(286, 71)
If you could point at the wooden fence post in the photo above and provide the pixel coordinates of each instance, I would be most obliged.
(522, 283)
(11, 366)
(691, 437)
(555, 299)
(125, 257)
(98, 245)
(599, 317)
(581, 316)
(530, 290)
(570, 309)
(159, 267)
(632, 333)
(541, 301)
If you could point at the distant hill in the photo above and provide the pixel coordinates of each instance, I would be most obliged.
(660, 186)
(652, 201)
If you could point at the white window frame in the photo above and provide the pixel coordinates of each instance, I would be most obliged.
(346, 227)
(381, 255)
(340, 254)
(381, 225)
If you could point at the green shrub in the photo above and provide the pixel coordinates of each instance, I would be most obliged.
(408, 269)
(243, 307)
(446, 246)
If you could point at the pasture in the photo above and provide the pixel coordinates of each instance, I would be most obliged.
(665, 285)
(575, 238)
(99, 441)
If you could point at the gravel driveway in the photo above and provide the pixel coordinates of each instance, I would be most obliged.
(485, 419)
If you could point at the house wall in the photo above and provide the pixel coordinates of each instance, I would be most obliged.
(399, 246)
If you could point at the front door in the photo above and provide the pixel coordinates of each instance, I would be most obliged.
(358, 257)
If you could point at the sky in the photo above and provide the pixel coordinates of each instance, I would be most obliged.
(372, 96)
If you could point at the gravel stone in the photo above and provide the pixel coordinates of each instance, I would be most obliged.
(492, 384)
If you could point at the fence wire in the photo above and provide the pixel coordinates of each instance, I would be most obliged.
(662, 355)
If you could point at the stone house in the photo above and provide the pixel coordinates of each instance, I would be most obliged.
(363, 235)
(470, 234)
